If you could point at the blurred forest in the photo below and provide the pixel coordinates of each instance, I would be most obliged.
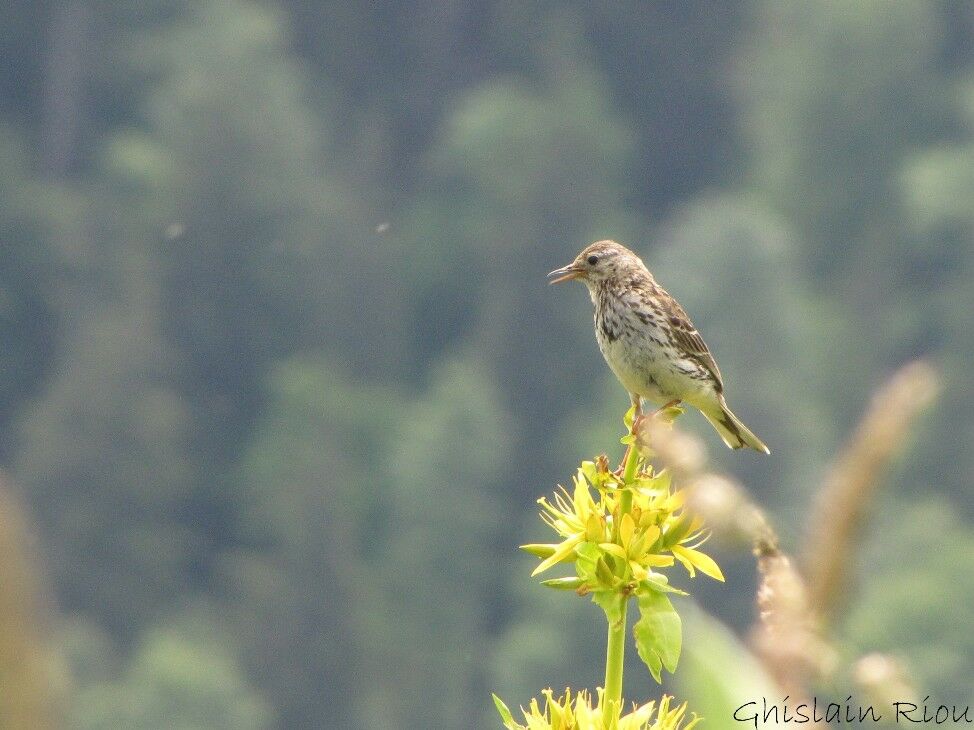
(281, 378)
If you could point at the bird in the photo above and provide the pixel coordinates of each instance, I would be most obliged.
(649, 342)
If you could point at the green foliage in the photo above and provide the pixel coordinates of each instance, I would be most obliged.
(277, 321)
(27, 272)
(236, 152)
(438, 566)
(658, 632)
(832, 92)
(920, 579)
(133, 491)
(936, 267)
(718, 673)
(436, 507)
(308, 524)
(172, 682)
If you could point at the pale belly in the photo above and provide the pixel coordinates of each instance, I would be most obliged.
(647, 371)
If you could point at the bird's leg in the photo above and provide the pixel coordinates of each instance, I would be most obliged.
(637, 422)
(637, 404)
(674, 402)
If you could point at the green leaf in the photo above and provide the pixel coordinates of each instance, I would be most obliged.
(569, 583)
(604, 573)
(677, 530)
(611, 602)
(658, 633)
(670, 414)
(659, 583)
(504, 712)
(588, 555)
(630, 417)
(717, 671)
(589, 471)
(539, 550)
(588, 551)
(612, 549)
(660, 481)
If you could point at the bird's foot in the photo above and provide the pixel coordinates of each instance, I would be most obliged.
(674, 402)
(638, 420)
(639, 423)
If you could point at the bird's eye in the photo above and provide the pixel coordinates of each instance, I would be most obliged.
(593, 260)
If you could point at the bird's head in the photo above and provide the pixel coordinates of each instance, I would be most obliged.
(601, 261)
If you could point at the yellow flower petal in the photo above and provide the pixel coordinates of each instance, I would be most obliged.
(561, 552)
(594, 528)
(582, 500)
(613, 549)
(651, 560)
(626, 528)
(704, 562)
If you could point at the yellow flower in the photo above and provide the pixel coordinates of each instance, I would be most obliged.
(578, 713)
(617, 539)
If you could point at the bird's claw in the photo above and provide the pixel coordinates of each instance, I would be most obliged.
(639, 422)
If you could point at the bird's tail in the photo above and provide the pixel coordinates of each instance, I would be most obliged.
(734, 433)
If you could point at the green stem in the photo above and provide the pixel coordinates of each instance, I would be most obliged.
(615, 653)
(628, 476)
(614, 659)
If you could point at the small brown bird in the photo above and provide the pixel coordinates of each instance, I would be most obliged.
(650, 342)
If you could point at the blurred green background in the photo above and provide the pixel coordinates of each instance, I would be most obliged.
(281, 378)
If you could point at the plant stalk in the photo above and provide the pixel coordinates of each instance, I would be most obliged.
(614, 658)
(628, 476)
(615, 652)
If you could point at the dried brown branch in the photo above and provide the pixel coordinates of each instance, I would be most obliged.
(786, 636)
(789, 635)
(841, 506)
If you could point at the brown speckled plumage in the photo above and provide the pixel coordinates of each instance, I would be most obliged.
(649, 341)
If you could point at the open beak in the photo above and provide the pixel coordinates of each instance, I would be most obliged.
(565, 273)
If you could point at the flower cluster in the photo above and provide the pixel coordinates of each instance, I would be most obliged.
(616, 533)
(620, 530)
(578, 713)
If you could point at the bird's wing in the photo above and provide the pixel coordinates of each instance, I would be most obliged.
(686, 337)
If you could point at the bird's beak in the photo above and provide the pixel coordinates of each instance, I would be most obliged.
(565, 273)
